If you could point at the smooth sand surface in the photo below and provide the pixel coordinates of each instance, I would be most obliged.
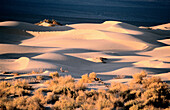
(110, 49)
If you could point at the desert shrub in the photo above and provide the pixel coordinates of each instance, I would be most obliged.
(156, 92)
(4, 87)
(18, 88)
(65, 85)
(15, 74)
(22, 84)
(117, 101)
(17, 91)
(118, 87)
(88, 106)
(5, 84)
(21, 103)
(3, 101)
(147, 92)
(63, 92)
(152, 93)
(54, 74)
(147, 82)
(92, 76)
(99, 100)
(95, 100)
(80, 86)
(136, 92)
(38, 95)
(131, 103)
(88, 78)
(120, 77)
(81, 98)
(55, 22)
(103, 103)
(51, 22)
(34, 104)
(43, 89)
(134, 107)
(92, 93)
(39, 77)
(51, 97)
(36, 72)
(85, 79)
(127, 95)
(65, 103)
(150, 107)
(138, 77)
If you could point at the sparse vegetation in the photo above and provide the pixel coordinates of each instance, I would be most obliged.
(103, 60)
(138, 77)
(39, 77)
(15, 74)
(54, 74)
(63, 71)
(36, 72)
(88, 78)
(120, 77)
(21, 103)
(51, 22)
(17, 88)
(64, 93)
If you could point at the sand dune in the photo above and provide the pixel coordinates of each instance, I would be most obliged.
(13, 48)
(18, 64)
(152, 64)
(73, 39)
(159, 27)
(111, 48)
(159, 52)
(165, 41)
(23, 62)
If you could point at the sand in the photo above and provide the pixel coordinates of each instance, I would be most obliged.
(79, 49)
